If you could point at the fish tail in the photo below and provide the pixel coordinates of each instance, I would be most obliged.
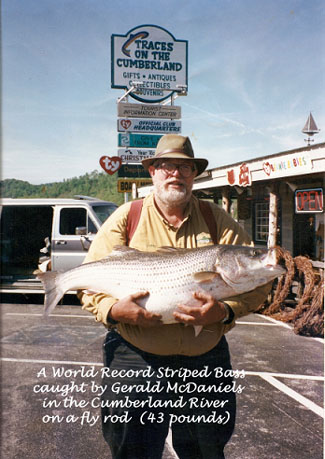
(53, 292)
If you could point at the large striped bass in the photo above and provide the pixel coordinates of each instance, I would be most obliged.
(169, 275)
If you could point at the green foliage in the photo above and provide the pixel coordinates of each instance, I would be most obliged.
(96, 184)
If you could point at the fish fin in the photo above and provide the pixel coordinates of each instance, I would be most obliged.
(205, 276)
(53, 293)
(197, 329)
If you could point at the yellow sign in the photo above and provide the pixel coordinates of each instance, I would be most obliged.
(125, 185)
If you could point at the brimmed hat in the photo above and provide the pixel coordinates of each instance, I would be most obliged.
(177, 147)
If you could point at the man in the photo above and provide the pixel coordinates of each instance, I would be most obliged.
(164, 374)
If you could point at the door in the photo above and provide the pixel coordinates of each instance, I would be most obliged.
(304, 235)
(73, 232)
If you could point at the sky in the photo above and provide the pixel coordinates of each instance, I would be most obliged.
(256, 69)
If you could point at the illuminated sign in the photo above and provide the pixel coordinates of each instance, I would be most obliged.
(153, 59)
(309, 201)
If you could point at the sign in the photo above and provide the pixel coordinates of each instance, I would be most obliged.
(309, 201)
(125, 185)
(126, 110)
(134, 155)
(133, 171)
(240, 175)
(143, 125)
(293, 164)
(138, 140)
(151, 57)
(110, 164)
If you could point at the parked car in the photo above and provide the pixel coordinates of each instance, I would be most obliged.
(47, 234)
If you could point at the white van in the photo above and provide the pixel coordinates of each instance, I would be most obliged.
(46, 234)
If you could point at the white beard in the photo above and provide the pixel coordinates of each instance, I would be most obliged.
(171, 197)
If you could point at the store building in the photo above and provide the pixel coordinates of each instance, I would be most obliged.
(277, 198)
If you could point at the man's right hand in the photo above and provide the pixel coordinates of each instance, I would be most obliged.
(128, 311)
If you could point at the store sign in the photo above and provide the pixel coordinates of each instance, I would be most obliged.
(148, 125)
(239, 176)
(309, 201)
(151, 57)
(125, 185)
(138, 140)
(134, 155)
(133, 171)
(126, 110)
(288, 165)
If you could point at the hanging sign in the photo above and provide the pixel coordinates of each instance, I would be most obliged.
(151, 57)
(149, 125)
(309, 201)
(138, 140)
(134, 155)
(126, 110)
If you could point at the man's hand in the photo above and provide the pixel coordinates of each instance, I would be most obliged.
(209, 312)
(128, 311)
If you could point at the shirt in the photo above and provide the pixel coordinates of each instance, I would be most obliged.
(152, 232)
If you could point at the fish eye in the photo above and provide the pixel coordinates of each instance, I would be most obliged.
(255, 252)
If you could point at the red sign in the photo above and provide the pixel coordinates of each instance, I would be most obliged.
(239, 175)
(244, 175)
(309, 201)
(110, 164)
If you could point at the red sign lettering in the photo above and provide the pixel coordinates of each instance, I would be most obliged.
(309, 200)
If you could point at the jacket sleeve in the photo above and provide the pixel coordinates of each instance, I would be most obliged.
(231, 232)
(110, 234)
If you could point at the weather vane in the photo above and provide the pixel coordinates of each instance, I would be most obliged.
(310, 129)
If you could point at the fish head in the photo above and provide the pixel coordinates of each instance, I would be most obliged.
(245, 268)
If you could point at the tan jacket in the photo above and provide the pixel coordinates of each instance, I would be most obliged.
(153, 232)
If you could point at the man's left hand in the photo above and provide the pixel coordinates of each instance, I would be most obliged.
(209, 312)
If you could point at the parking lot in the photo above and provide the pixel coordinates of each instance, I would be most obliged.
(280, 411)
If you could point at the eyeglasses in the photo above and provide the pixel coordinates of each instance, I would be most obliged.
(169, 168)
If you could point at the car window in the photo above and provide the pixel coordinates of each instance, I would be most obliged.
(71, 218)
(103, 212)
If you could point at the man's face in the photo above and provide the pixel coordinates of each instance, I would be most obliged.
(173, 180)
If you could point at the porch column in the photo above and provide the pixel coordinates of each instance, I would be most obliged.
(273, 215)
(226, 200)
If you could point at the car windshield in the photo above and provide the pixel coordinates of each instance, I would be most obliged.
(104, 211)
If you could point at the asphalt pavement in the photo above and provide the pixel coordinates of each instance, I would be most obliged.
(51, 378)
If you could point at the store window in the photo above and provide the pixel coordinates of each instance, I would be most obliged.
(261, 227)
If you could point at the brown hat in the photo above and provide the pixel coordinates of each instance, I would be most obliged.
(177, 147)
